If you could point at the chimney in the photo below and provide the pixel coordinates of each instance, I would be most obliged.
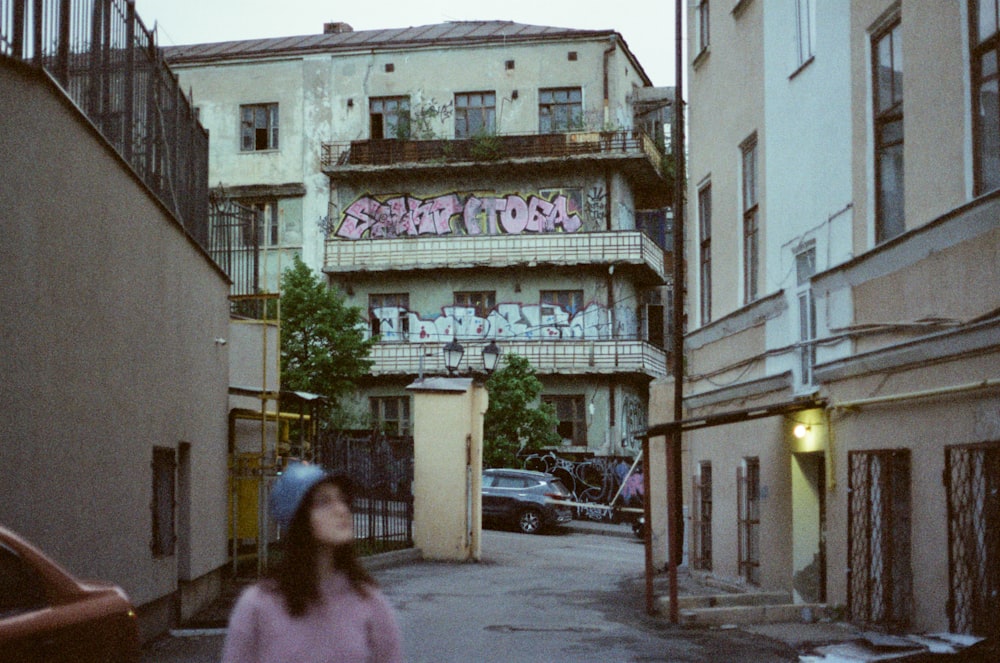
(336, 28)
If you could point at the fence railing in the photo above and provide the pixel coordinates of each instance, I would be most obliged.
(107, 62)
(381, 469)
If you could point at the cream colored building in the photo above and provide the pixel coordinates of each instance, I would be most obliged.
(114, 379)
(841, 411)
(470, 181)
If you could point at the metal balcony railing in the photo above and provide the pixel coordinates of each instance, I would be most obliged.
(498, 147)
(627, 247)
(106, 61)
(562, 357)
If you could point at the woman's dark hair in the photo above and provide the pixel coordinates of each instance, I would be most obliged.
(297, 578)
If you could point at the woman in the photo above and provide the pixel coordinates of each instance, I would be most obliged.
(323, 606)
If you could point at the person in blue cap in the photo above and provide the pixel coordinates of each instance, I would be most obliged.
(322, 606)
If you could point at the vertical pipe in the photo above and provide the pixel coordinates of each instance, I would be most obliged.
(674, 489)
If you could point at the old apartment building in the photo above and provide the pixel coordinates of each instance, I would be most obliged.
(471, 181)
(841, 413)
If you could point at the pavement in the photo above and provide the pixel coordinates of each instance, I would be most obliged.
(817, 641)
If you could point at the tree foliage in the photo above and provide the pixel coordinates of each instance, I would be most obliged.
(511, 423)
(323, 350)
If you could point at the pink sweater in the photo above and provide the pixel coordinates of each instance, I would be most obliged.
(345, 628)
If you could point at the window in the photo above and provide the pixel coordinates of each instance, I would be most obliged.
(748, 489)
(266, 229)
(705, 266)
(481, 302)
(803, 30)
(703, 25)
(572, 426)
(475, 114)
(391, 414)
(887, 75)
(258, 127)
(164, 491)
(702, 523)
(985, 46)
(805, 267)
(388, 315)
(750, 220)
(570, 301)
(390, 117)
(560, 109)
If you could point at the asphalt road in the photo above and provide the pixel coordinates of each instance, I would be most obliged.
(567, 597)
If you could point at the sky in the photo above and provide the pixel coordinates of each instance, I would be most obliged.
(646, 25)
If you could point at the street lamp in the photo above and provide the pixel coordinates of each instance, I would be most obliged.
(453, 356)
(491, 355)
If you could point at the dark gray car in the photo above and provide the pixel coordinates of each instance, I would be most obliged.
(530, 500)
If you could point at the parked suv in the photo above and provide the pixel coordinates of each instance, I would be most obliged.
(47, 615)
(530, 500)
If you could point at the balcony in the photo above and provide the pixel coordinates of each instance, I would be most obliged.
(632, 151)
(624, 248)
(561, 357)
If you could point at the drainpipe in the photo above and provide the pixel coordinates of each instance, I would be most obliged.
(608, 52)
(973, 386)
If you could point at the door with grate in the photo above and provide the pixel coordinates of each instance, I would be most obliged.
(701, 521)
(972, 481)
(748, 496)
(880, 582)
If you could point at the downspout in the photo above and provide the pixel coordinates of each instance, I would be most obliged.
(608, 52)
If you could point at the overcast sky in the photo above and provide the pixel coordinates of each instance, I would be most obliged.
(647, 25)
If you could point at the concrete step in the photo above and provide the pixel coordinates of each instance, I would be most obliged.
(753, 614)
(732, 599)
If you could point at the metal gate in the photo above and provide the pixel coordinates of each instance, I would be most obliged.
(381, 468)
(879, 578)
(972, 481)
(748, 517)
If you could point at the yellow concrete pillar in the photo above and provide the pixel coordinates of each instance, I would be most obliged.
(447, 467)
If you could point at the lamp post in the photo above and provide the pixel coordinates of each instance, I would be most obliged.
(453, 356)
(453, 353)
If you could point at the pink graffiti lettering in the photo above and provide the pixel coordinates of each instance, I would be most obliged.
(404, 216)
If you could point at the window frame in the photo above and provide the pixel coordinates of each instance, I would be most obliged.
(751, 218)
(251, 134)
(576, 421)
(983, 49)
(401, 424)
(389, 299)
(887, 142)
(703, 16)
(465, 111)
(550, 107)
(483, 302)
(394, 123)
(705, 250)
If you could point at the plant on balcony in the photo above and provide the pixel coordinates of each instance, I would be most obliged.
(486, 147)
(511, 422)
(323, 350)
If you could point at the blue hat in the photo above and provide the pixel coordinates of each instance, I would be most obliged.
(290, 488)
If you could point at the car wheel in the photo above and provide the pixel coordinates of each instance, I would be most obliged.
(529, 521)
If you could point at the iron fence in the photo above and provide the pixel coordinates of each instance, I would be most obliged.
(381, 469)
(103, 57)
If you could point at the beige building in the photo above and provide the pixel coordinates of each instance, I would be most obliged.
(115, 376)
(469, 181)
(841, 412)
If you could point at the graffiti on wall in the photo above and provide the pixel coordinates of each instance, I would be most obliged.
(633, 421)
(461, 214)
(505, 321)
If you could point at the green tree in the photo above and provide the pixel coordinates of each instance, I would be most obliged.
(323, 350)
(511, 424)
